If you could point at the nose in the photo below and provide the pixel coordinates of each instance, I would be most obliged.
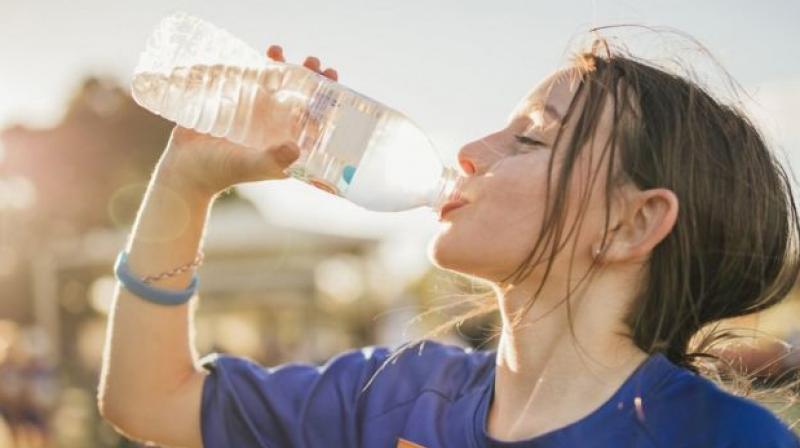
(475, 156)
(467, 165)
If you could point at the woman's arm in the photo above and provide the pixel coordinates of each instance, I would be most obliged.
(150, 385)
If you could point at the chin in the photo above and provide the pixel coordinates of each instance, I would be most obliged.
(447, 252)
(443, 251)
(468, 257)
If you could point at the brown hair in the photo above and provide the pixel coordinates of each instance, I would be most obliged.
(733, 249)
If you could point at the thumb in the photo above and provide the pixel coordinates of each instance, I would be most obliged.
(285, 154)
(275, 160)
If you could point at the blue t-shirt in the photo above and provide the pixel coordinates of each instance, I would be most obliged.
(437, 395)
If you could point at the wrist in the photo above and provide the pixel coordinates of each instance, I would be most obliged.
(194, 195)
(171, 213)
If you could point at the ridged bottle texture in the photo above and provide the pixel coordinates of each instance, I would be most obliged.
(202, 77)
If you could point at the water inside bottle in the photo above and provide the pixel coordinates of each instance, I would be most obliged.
(369, 154)
(221, 100)
(351, 146)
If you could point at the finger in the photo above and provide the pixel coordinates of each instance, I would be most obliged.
(269, 163)
(275, 52)
(331, 73)
(312, 63)
(279, 159)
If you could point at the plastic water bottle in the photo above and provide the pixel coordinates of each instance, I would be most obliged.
(204, 78)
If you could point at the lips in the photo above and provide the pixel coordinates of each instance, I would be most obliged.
(451, 205)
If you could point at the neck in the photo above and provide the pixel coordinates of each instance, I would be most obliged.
(546, 377)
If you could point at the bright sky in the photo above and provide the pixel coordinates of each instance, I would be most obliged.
(457, 67)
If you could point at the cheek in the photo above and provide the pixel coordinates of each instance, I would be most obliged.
(482, 245)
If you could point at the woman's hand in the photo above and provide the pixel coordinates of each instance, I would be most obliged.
(200, 164)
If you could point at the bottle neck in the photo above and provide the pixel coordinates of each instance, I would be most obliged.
(448, 181)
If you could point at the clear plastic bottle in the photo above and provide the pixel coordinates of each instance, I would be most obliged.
(204, 78)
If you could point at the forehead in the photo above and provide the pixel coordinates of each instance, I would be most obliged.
(549, 99)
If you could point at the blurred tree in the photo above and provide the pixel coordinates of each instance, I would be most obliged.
(105, 142)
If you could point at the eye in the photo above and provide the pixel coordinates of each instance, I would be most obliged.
(528, 141)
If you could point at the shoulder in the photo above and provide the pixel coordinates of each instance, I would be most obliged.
(750, 423)
(433, 366)
(706, 413)
(399, 372)
(427, 370)
(244, 403)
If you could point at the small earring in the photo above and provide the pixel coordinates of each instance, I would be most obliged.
(597, 252)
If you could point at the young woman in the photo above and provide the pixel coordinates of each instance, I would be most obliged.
(620, 210)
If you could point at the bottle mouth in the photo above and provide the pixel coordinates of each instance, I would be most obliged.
(447, 189)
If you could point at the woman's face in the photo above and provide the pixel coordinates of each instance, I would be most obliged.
(505, 186)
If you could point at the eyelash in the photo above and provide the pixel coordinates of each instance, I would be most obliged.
(528, 141)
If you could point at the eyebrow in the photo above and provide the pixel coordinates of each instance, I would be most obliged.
(539, 105)
(549, 109)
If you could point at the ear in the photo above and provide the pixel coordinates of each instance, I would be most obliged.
(649, 217)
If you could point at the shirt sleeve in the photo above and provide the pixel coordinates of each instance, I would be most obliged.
(291, 405)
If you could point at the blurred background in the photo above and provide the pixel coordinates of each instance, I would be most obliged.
(291, 274)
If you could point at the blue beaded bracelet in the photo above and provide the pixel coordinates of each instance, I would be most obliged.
(152, 294)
